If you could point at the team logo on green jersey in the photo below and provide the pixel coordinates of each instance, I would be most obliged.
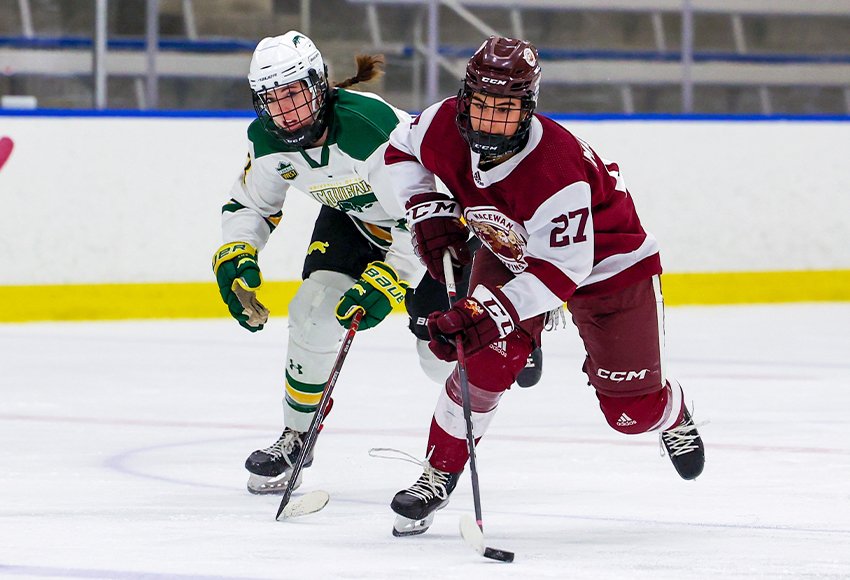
(357, 203)
(286, 170)
(350, 195)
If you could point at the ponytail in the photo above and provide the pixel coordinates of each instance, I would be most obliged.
(368, 69)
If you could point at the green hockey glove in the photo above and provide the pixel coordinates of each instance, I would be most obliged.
(239, 278)
(377, 292)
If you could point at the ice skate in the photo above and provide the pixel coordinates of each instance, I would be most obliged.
(271, 467)
(530, 375)
(684, 446)
(416, 505)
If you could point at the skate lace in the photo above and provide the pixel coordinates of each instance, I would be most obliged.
(680, 439)
(284, 446)
(555, 319)
(432, 482)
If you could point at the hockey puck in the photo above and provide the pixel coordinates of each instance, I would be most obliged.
(500, 555)
(6, 146)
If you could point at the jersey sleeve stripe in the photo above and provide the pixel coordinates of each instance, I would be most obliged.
(553, 277)
(393, 155)
(232, 206)
(530, 296)
(613, 265)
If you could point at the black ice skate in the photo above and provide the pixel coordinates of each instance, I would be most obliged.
(530, 375)
(271, 467)
(416, 505)
(685, 448)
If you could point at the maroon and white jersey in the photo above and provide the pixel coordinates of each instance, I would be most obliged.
(556, 214)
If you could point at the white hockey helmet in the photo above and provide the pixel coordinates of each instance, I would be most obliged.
(283, 60)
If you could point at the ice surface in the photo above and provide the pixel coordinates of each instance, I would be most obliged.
(122, 444)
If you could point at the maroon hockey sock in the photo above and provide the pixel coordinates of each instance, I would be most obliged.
(450, 453)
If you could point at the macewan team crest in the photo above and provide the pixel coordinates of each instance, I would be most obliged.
(286, 170)
(505, 237)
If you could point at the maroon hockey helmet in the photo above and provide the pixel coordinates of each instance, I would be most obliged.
(501, 67)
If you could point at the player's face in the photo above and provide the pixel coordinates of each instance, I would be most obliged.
(290, 106)
(495, 115)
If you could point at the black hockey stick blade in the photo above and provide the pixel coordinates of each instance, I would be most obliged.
(472, 534)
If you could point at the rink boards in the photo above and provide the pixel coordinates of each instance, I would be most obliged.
(117, 216)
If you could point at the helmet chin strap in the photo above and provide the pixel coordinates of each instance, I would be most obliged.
(316, 90)
(496, 158)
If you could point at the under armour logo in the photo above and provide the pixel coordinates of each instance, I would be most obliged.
(295, 367)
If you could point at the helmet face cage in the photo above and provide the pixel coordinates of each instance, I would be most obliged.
(501, 68)
(294, 112)
(499, 140)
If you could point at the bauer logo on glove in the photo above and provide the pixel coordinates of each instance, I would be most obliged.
(377, 292)
(386, 282)
(238, 276)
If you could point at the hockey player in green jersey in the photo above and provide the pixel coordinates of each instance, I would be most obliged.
(328, 142)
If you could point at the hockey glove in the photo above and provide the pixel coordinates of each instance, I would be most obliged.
(478, 321)
(238, 276)
(434, 219)
(377, 292)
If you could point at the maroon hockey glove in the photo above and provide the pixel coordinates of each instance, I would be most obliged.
(479, 321)
(434, 219)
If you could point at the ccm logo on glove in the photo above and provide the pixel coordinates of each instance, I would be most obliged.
(500, 315)
(434, 220)
(431, 209)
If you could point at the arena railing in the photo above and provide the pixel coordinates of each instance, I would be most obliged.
(625, 68)
(226, 58)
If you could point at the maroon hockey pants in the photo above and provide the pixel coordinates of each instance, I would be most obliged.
(623, 335)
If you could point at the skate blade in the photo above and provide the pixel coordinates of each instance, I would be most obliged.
(309, 503)
(407, 527)
(472, 535)
(262, 485)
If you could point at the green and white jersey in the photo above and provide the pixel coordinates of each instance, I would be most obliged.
(346, 173)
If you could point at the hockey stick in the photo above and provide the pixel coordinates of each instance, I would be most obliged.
(315, 500)
(6, 146)
(471, 531)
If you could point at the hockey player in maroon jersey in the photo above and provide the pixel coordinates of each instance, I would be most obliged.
(557, 225)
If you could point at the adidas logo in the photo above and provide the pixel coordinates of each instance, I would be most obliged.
(501, 347)
(625, 421)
